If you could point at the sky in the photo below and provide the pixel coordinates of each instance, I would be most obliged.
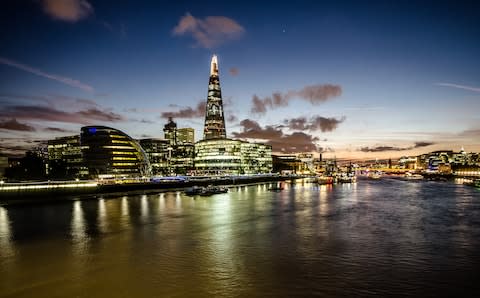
(349, 79)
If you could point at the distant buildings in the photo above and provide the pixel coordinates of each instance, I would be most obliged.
(104, 152)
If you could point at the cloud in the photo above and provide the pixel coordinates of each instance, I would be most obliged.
(274, 136)
(474, 89)
(16, 147)
(146, 121)
(67, 10)
(13, 124)
(391, 148)
(315, 94)
(233, 71)
(51, 114)
(56, 129)
(38, 72)
(189, 112)
(471, 133)
(209, 32)
(315, 123)
(232, 118)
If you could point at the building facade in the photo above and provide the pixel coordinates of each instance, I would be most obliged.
(170, 131)
(65, 159)
(185, 136)
(158, 155)
(110, 153)
(232, 157)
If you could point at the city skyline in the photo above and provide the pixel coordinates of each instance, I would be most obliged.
(346, 80)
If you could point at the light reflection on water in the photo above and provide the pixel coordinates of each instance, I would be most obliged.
(387, 237)
(6, 248)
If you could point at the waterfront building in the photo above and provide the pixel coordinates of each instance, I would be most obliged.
(307, 162)
(182, 159)
(158, 154)
(65, 158)
(108, 152)
(175, 154)
(214, 118)
(217, 155)
(232, 157)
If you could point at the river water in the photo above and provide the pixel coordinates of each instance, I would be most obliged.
(372, 238)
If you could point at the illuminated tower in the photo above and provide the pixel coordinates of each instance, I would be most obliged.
(214, 119)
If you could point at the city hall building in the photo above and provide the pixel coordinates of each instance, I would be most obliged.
(109, 152)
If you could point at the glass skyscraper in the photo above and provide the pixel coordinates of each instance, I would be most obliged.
(214, 117)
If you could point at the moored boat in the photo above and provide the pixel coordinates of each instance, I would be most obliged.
(322, 180)
(212, 190)
(194, 190)
(411, 176)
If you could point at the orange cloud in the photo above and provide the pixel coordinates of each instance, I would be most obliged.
(315, 94)
(67, 10)
(209, 32)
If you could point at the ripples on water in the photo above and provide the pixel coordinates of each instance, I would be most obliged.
(382, 238)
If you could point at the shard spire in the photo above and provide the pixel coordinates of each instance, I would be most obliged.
(214, 66)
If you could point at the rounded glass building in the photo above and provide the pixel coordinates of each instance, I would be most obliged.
(108, 152)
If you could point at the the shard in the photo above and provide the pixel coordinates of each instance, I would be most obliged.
(214, 117)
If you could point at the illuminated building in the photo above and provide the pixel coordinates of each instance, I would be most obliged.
(286, 164)
(182, 159)
(217, 155)
(158, 155)
(170, 131)
(232, 157)
(175, 154)
(65, 158)
(214, 118)
(108, 152)
(185, 136)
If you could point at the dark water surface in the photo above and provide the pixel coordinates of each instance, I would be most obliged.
(383, 238)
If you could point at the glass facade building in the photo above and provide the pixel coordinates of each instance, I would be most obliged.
(65, 158)
(170, 131)
(232, 157)
(185, 136)
(157, 154)
(108, 152)
(214, 119)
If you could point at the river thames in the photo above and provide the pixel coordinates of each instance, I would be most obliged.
(372, 238)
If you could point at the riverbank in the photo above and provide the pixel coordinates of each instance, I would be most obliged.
(59, 191)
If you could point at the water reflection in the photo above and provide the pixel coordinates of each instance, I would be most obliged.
(6, 248)
(386, 237)
(78, 227)
(102, 216)
(144, 208)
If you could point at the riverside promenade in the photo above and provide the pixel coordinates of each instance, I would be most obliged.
(84, 189)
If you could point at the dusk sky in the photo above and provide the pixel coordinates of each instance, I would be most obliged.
(352, 79)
